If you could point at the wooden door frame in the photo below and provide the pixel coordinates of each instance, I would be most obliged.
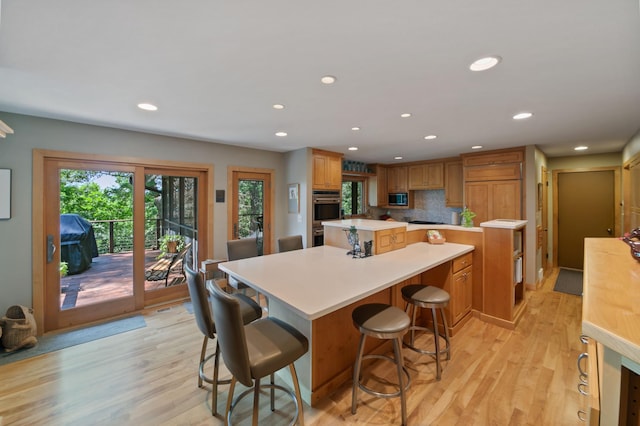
(616, 194)
(268, 246)
(38, 230)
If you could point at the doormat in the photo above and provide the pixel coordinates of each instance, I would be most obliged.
(55, 342)
(569, 281)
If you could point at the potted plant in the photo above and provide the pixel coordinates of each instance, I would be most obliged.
(467, 217)
(171, 243)
(64, 269)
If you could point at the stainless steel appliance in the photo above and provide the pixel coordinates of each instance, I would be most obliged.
(326, 206)
(399, 199)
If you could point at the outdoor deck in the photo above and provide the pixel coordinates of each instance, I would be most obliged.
(110, 276)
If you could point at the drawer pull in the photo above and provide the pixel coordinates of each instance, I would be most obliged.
(582, 389)
(583, 379)
(582, 415)
(582, 356)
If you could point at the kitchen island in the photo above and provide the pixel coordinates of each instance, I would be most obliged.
(316, 289)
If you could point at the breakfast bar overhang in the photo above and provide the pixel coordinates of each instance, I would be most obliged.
(316, 289)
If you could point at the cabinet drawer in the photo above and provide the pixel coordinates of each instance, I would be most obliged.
(498, 158)
(497, 172)
(462, 262)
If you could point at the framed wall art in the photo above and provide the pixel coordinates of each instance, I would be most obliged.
(294, 198)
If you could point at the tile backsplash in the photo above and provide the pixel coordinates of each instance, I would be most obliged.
(428, 205)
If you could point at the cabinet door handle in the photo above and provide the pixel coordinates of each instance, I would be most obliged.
(582, 356)
(582, 389)
(582, 415)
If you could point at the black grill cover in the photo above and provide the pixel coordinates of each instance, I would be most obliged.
(78, 243)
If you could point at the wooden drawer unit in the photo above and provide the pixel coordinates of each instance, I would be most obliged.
(496, 172)
(456, 278)
(494, 158)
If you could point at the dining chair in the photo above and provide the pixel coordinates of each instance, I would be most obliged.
(290, 243)
(242, 249)
(249, 311)
(254, 351)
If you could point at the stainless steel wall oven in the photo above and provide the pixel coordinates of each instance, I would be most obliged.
(326, 206)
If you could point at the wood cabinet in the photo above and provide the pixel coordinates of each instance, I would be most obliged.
(378, 187)
(494, 200)
(504, 267)
(493, 184)
(327, 170)
(390, 239)
(453, 184)
(492, 158)
(456, 278)
(397, 179)
(426, 176)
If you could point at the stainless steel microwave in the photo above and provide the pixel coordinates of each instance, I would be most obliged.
(398, 199)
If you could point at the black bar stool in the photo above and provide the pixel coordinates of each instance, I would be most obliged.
(426, 296)
(382, 322)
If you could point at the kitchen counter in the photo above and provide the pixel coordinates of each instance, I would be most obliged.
(611, 316)
(316, 289)
(319, 280)
(377, 225)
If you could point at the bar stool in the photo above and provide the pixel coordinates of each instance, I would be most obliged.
(382, 322)
(426, 296)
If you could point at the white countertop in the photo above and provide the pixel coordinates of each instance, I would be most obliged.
(504, 223)
(366, 224)
(316, 281)
(377, 225)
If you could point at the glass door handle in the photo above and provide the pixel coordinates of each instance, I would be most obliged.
(51, 248)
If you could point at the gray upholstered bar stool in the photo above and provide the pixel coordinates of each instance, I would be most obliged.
(382, 322)
(426, 296)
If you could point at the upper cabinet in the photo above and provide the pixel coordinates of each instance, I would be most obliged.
(426, 176)
(453, 184)
(397, 179)
(327, 170)
(493, 184)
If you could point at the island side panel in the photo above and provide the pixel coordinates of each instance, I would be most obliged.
(473, 239)
(335, 344)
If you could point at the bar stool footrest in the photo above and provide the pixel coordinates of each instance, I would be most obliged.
(446, 350)
(381, 394)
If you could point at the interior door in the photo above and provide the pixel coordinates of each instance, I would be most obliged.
(251, 207)
(585, 208)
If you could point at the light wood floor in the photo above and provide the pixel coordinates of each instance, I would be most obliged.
(148, 377)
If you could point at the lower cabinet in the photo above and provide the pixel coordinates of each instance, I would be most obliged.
(456, 278)
(390, 239)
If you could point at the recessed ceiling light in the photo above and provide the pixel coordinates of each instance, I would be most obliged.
(278, 106)
(405, 115)
(397, 158)
(281, 134)
(581, 148)
(328, 79)
(147, 107)
(353, 148)
(484, 64)
(355, 129)
(476, 147)
(429, 137)
(522, 115)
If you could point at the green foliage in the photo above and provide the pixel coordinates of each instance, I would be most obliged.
(102, 195)
(353, 197)
(168, 237)
(64, 269)
(467, 217)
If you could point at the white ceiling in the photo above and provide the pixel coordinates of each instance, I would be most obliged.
(215, 68)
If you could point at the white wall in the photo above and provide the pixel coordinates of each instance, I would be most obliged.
(37, 133)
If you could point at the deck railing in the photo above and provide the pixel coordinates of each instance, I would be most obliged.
(116, 235)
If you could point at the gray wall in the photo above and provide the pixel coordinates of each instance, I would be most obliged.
(298, 170)
(37, 133)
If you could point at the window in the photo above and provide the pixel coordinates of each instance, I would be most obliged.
(353, 197)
